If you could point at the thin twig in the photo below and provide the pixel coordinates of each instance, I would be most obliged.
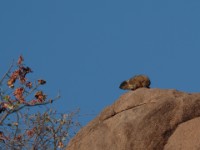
(32, 90)
(26, 105)
(4, 117)
(6, 74)
(38, 104)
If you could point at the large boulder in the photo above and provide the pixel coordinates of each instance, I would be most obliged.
(144, 119)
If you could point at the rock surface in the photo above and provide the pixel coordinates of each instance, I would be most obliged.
(144, 119)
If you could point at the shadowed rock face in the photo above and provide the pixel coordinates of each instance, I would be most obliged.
(149, 119)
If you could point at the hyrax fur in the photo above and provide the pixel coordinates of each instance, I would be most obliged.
(135, 82)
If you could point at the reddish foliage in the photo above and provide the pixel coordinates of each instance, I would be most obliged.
(41, 82)
(40, 96)
(18, 138)
(13, 78)
(29, 85)
(31, 132)
(18, 93)
(33, 102)
(60, 144)
(20, 74)
(38, 129)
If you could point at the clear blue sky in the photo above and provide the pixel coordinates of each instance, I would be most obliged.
(86, 48)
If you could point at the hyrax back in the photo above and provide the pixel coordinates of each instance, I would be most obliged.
(135, 82)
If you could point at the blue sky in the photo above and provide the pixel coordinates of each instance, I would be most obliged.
(86, 48)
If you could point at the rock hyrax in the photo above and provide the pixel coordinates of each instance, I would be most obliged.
(135, 82)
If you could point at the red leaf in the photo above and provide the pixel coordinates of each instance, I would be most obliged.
(41, 81)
